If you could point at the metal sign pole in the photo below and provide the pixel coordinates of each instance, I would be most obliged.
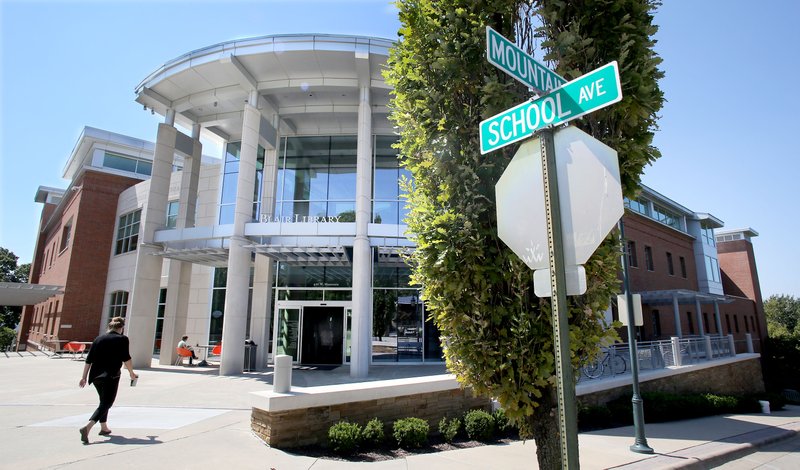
(567, 413)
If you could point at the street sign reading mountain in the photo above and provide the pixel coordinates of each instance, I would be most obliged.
(590, 92)
(512, 60)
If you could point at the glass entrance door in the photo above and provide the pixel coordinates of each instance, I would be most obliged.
(288, 332)
(322, 334)
(313, 332)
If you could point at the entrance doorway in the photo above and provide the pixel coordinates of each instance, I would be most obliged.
(313, 333)
(322, 335)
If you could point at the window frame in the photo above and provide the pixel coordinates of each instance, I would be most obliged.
(126, 239)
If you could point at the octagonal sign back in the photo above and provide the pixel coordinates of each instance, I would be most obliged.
(589, 190)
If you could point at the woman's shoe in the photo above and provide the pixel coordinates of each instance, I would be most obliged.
(105, 433)
(84, 435)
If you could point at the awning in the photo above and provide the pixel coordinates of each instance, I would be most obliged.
(666, 297)
(18, 294)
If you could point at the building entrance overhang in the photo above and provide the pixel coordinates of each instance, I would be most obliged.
(667, 297)
(20, 293)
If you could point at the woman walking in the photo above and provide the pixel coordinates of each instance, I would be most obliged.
(103, 369)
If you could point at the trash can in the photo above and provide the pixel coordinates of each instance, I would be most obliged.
(249, 355)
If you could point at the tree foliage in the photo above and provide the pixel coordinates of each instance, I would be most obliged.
(783, 315)
(499, 337)
(10, 271)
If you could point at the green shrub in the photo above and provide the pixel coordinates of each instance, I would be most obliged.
(7, 337)
(591, 417)
(344, 437)
(411, 432)
(449, 428)
(372, 434)
(502, 424)
(479, 425)
(721, 404)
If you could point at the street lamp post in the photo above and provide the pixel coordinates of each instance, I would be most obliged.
(640, 444)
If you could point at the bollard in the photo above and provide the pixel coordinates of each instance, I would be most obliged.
(282, 379)
(749, 339)
(732, 345)
(676, 350)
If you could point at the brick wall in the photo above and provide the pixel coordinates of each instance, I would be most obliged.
(308, 426)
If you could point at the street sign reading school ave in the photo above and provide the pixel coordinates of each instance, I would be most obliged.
(512, 60)
(595, 90)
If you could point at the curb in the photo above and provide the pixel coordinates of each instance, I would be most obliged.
(715, 453)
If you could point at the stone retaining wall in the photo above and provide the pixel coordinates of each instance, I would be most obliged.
(308, 426)
(738, 377)
(303, 416)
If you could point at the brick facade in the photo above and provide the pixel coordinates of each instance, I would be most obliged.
(79, 264)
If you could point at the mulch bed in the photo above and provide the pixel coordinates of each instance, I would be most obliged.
(435, 444)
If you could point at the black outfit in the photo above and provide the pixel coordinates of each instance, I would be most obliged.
(106, 356)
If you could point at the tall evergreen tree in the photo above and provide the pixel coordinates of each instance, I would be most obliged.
(499, 337)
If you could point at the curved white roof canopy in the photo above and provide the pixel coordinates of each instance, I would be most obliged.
(311, 81)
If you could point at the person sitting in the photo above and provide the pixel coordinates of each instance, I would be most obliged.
(183, 344)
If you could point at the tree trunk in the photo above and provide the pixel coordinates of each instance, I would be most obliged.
(545, 430)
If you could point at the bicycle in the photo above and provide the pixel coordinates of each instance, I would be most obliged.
(597, 367)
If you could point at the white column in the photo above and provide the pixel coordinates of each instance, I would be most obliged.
(180, 273)
(261, 314)
(143, 299)
(717, 318)
(699, 314)
(676, 311)
(362, 254)
(234, 325)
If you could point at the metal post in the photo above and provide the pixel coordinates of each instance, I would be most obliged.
(568, 416)
(640, 444)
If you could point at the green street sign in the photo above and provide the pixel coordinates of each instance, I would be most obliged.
(512, 60)
(595, 90)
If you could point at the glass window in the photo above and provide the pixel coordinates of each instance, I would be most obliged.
(118, 305)
(632, 260)
(162, 307)
(707, 234)
(128, 232)
(130, 164)
(670, 267)
(683, 266)
(712, 269)
(314, 276)
(230, 183)
(388, 206)
(172, 214)
(691, 322)
(118, 162)
(648, 258)
(666, 216)
(640, 205)
(66, 233)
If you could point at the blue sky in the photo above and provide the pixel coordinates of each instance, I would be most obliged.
(726, 132)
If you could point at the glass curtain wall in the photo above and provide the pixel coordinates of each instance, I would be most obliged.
(313, 282)
(218, 305)
(227, 203)
(400, 331)
(387, 204)
(317, 179)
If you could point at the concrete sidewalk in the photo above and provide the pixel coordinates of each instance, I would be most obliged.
(192, 418)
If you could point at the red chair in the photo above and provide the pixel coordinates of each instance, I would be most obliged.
(217, 350)
(182, 353)
(75, 348)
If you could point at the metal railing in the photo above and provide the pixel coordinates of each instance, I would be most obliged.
(652, 355)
